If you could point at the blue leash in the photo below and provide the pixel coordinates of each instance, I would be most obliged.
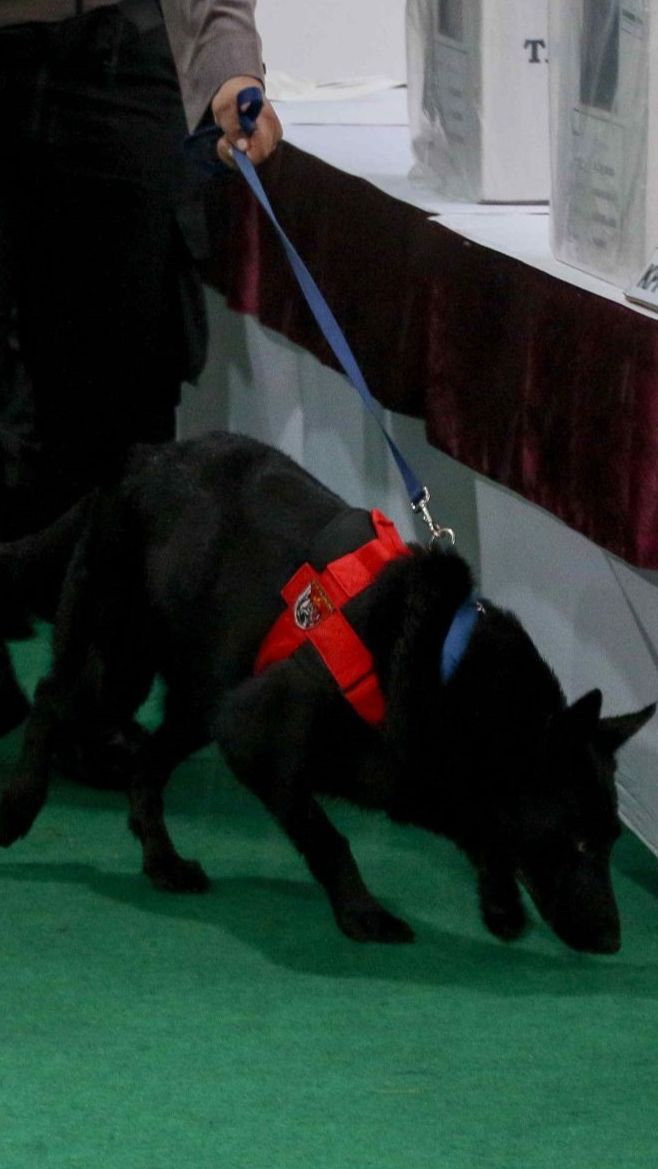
(464, 621)
(252, 99)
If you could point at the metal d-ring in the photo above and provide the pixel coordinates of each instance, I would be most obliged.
(437, 532)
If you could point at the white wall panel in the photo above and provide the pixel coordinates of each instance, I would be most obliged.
(332, 39)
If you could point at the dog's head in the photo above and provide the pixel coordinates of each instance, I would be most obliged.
(559, 826)
(523, 782)
(544, 815)
(543, 773)
(547, 801)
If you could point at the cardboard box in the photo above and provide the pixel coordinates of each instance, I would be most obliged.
(478, 97)
(604, 123)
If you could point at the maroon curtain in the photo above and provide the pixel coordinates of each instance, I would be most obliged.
(543, 387)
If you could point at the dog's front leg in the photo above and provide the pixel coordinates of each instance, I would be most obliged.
(500, 900)
(268, 735)
(329, 857)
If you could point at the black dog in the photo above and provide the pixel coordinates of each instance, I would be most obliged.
(179, 571)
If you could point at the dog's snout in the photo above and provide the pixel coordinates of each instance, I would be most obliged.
(580, 906)
(603, 941)
(587, 917)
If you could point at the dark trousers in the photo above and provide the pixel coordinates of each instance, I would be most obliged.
(101, 315)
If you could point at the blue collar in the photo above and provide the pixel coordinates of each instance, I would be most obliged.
(459, 635)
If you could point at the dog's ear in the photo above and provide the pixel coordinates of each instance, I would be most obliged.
(582, 717)
(612, 733)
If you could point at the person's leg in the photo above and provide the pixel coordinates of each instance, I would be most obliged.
(17, 453)
(94, 272)
(100, 260)
(17, 439)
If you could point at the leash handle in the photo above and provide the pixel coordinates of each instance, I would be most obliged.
(250, 104)
(251, 99)
(202, 144)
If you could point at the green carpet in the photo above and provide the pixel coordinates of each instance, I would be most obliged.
(240, 1030)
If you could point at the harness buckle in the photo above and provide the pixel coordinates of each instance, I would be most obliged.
(437, 532)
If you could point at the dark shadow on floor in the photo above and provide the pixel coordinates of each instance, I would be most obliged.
(289, 923)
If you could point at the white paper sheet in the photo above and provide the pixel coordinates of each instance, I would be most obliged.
(286, 87)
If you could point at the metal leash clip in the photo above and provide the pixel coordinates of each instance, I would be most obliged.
(437, 532)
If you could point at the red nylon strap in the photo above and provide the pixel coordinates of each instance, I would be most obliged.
(315, 600)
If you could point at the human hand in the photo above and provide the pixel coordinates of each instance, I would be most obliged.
(265, 138)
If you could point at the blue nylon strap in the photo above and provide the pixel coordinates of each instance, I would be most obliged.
(458, 636)
(323, 315)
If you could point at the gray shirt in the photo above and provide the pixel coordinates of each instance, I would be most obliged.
(211, 40)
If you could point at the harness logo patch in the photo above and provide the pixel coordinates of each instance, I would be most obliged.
(311, 607)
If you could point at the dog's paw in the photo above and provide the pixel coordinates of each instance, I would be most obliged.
(19, 808)
(176, 875)
(506, 922)
(370, 922)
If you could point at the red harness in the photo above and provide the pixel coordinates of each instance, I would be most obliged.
(314, 602)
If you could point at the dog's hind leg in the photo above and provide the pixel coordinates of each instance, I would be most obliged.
(162, 864)
(172, 742)
(97, 678)
(61, 699)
